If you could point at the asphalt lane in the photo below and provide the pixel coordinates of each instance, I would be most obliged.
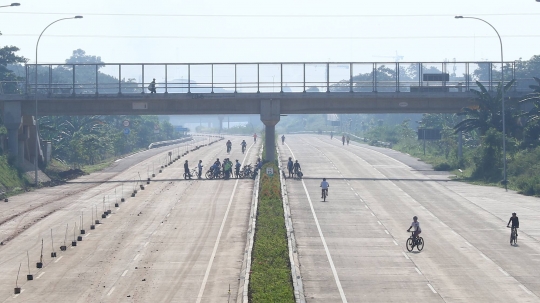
(352, 247)
(175, 241)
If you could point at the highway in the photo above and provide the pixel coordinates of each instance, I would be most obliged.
(175, 241)
(351, 248)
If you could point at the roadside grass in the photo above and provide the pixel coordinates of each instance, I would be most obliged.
(88, 169)
(11, 181)
(270, 279)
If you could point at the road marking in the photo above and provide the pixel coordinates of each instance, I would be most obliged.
(168, 215)
(41, 274)
(373, 214)
(211, 261)
(125, 272)
(418, 270)
(468, 243)
(455, 233)
(504, 272)
(406, 257)
(145, 244)
(15, 296)
(58, 259)
(379, 222)
(88, 234)
(366, 206)
(110, 291)
(386, 232)
(136, 257)
(334, 271)
(395, 242)
(432, 215)
(525, 289)
(485, 257)
(356, 194)
(432, 289)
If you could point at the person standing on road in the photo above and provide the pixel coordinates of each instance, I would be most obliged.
(348, 139)
(255, 137)
(282, 139)
(331, 135)
(152, 86)
(343, 139)
(237, 166)
(200, 166)
(227, 168)
(290, 167)
(297, 168)
(186, 170)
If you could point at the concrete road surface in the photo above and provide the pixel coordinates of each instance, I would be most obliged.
(352, 247)
(175, 241)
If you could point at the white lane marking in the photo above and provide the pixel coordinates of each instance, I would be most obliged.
(352, 189)
(432, 289)
(418, 270)
(468, 243)
(15, 296)
(525, 289)
(395, 242)
(386, 232)
(485, 257)
(88, 234)
(356, 194)
(58, 259)
(110, 291)
(504, 272)
(366, 206)
(211, 261)
(334, 271)
(348, 184)
(373, 214)
(379, 222)
(41, 274)
(136, 257)
(125, 272)
(455, 233)
(168, 215)
(145, 244)
(406, 257)
(432, 215)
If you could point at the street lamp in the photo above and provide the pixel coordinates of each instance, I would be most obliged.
(502, 96)
(12, 4)
(36, 96)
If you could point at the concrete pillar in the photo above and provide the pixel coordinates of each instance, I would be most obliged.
(12, 121)
(220, 119)
(270, 115)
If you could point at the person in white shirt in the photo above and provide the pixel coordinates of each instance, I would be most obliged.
(324, 186)
(416, 225)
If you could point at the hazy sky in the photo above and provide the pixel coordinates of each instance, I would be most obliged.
(273, 31)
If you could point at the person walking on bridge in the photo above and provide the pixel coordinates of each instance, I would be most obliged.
(152, 86)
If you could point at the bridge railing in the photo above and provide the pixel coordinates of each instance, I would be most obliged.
(309, 77)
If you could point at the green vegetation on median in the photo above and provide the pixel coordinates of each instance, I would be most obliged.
(11, 182)
(270, 279)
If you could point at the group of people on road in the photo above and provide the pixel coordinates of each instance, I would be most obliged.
(294, 168)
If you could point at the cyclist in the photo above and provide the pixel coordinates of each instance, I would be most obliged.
(255, 137)
(515, 223)
(186, 170)
(290, 167)
(282, 139)
(200, 166)
(229, 146)
(237, 166)
(416, 225)
(243, 144)
(296, 167)
(324, 186)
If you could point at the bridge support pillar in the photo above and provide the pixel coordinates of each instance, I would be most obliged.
(220, 119)
(12, 121)
(270, 114)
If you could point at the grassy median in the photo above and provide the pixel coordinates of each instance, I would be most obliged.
(270, 267)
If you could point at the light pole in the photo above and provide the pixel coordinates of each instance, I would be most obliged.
(12, 4)
(36, 97)
(502, 97)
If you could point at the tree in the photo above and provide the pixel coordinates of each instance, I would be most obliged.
(8, 79)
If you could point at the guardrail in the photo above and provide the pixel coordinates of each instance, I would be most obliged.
(308, 77)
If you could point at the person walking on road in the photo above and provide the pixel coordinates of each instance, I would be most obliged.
(200, 166)
(348, 139)
(290, 167)
(152, 86)
(343, 139)
(331, 135)
(255, 137)
(186, 170)
(282, 139)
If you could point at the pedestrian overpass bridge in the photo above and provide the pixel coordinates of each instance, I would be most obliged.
(268, 89)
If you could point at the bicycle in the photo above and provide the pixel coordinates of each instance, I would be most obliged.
(298, 173)
(193, 172)
(243, 149)
(324, 194)
(513, 236)
(412, 242)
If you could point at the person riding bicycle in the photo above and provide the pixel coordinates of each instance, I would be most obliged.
(324, 186)
(237, 166)
(282, 139)
(290, 167)
(515, 223)
(200, 166)
(296, 167)
(243, 144)
(186, 170)
(229, 145)
(416, 225)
